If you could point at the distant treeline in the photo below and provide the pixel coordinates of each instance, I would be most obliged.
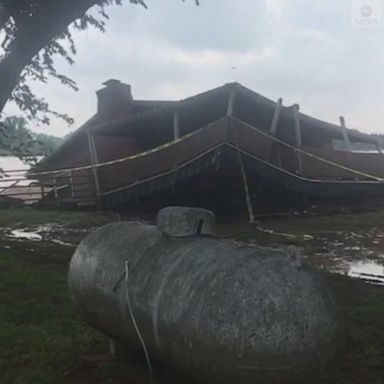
(18, 140)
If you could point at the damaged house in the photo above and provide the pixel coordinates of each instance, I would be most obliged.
(225, 148)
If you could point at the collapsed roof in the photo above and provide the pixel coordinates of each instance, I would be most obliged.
(119, 114)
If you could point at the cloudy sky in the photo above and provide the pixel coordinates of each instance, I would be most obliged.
(326, 55)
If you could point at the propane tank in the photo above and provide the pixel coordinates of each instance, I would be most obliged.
(218, 310)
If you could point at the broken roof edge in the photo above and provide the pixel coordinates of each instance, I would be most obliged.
(75, 134)
(92, 123)
(307, 118)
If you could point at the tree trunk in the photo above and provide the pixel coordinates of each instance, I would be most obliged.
(51, 21)
(11, 68)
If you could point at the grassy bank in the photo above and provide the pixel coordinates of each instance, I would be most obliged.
(362, 306)
(42, 338)
(44, 341)
(29, 217)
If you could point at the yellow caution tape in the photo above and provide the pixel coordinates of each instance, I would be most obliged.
(329, 162)
(189, 135)
(124, 159)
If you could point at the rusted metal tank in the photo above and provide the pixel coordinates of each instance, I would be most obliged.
(218, 310)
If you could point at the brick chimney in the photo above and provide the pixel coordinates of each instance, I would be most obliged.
(114, 99)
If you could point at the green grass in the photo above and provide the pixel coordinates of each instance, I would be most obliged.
(337, 222)
(41, 334)
(301, 225)
(29, 217)
(44, 341)
(363, 308)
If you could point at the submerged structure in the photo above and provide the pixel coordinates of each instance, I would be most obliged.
(217, 310)
(209, 150)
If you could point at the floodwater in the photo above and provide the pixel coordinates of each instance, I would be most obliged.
(51, 234)
(356, 254)
(25, 235)
(367, 270)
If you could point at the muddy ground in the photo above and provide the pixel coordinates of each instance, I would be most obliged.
(43, 340)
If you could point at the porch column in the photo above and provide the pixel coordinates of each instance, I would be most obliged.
(231, 103)
(94, 161)
(344, 132)
(276, 116)
(176, 125)
(296, 118)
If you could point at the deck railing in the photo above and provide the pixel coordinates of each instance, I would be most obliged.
(18, 189)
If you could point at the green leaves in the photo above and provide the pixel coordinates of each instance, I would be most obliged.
(16, 139)
(41, 27)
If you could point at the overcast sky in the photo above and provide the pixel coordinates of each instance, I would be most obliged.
(326, 55)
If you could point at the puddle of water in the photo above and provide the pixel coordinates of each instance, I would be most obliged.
(356, 254)
(52, 233)
(368, 271)
(352, 249)
(25, 235)
(63, 243)
(286, 235)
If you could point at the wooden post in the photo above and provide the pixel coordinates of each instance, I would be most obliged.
(112, 347)
(344, 132)
(248, 198)
(55, 188)
(71, 182)
(231, 103)
(296, 118)
(94, 161)
(176, 125)
(276, 116)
